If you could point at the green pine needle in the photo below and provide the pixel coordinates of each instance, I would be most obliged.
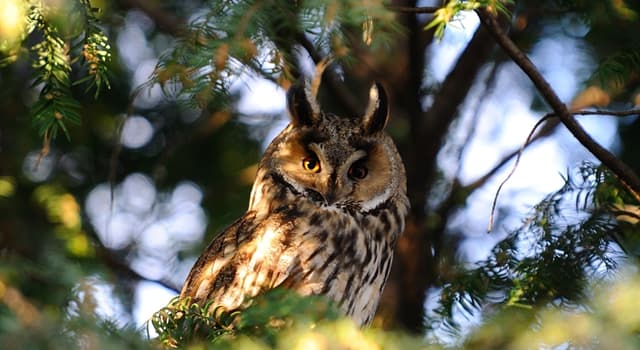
(452, 9)
(549, 260)
(52, 66)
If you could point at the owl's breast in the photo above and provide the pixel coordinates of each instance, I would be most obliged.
(343, 256)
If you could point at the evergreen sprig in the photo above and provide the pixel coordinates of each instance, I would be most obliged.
(452, 9)
(53, 58)
(259, 37)
(276, 319)
(96, 52)
(55, 104)
(617, 68)
(181, 322)
(549, 260)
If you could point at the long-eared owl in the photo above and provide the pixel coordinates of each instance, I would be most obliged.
(327, 206)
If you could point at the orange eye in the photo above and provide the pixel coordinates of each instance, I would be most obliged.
(311, 164)
(358, 172)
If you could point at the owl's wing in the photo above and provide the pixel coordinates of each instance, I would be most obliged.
(212, 271)
(242, 261)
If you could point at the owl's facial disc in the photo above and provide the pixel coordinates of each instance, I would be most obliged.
(336, 161)
(336, 174)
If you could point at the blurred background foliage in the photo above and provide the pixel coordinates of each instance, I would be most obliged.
(166, 106)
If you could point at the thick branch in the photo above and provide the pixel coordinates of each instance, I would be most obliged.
(626, 175)
(428, 135)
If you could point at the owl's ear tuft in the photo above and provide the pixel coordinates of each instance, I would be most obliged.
(377, 113)
(302, 106)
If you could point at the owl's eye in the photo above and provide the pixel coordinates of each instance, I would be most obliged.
(311, 164)
(358, 171)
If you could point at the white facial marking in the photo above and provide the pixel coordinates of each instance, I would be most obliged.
(377, 200)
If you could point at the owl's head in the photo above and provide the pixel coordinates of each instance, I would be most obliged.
(335, 161)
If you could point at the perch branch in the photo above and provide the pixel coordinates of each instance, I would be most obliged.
(626, 175)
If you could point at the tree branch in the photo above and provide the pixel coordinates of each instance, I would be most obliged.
(626, 175)
(530, 139)
(546, 130)
(513, 169)
(429, 132)
(626, 113)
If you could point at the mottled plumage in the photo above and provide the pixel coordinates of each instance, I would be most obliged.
(326, 209)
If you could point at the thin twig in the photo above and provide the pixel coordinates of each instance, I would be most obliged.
(513, 170)
(44, 151)
(528, 142)
(544, 132)
(317, 79)
(610, 113)
(117, 149)
(623, 213)
(627, 176)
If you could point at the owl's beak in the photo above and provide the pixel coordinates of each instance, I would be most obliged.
(334, 191)
(330, 196)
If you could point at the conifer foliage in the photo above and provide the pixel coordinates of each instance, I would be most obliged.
(67, 36)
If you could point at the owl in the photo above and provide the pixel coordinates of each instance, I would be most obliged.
(327, 206)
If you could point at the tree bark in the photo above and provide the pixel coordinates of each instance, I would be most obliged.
(415, 267)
